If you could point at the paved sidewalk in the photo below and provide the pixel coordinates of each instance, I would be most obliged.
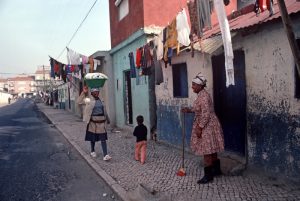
(158, 174)
(2, 104)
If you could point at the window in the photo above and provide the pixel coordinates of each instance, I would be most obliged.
(297, 78)
(123, 8)
(180, 83)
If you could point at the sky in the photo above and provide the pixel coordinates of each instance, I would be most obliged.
(33, 30)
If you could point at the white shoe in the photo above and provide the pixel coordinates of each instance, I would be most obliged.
(93, 154)
(107, 158)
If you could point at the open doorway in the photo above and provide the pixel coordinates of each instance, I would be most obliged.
(230, 102)
(128, 98)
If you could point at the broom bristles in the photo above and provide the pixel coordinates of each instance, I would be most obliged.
(181, 172)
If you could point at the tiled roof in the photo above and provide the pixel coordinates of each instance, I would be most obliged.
(41, 71)
(211, 44)
(21, 79)
(250, 19)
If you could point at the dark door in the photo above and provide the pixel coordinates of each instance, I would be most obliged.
(230, 103)
(128, 98)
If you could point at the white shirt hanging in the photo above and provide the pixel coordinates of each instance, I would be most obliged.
(183, 28)
(226, 36)
(73, 57)
(158, 43)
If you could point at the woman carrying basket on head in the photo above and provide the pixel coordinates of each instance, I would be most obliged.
(96, 118)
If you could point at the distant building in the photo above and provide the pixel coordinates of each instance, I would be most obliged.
(42, 78)
(21, 85)
(3, 84)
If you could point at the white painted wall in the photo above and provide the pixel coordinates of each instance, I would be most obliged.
(199, 63)
(4, 97)
(270, 70)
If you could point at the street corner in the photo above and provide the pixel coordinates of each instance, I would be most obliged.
(144, 192)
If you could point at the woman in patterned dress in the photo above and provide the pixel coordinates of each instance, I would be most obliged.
(207, 135)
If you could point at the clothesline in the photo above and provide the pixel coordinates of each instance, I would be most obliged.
(78, 65)
(178, 35)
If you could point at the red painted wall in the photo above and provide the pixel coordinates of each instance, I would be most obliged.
(121, 30)
(149, 12)
(160, 12)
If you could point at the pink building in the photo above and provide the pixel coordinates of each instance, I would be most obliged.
(21, 85)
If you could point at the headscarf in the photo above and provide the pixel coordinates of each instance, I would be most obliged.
(95, 89)
(200, 79)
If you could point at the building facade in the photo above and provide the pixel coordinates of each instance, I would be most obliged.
(3, 84)
(42, 78)
(21, 85)
(260, 113)
(133, 24)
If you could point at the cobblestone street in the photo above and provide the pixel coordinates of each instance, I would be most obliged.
(124, 174)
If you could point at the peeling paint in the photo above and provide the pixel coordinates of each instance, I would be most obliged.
(290, 159)
(264, 155)
(170, 124)
(274, 142)
(257, 102)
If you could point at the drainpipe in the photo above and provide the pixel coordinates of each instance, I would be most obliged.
(289, 32)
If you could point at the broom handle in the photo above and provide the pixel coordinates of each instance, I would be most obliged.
(183, 139)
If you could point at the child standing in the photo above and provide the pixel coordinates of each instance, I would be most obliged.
(140, 132)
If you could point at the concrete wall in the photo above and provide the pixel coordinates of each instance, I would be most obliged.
(4, 97)
(169, 118)
(74, 94)
(107, 92)
(140, 94)
(273, 112)
(62, 95)
(108, 89)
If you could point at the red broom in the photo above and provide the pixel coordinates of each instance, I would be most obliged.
(181, 171)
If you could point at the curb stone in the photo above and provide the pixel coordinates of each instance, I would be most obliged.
(120, 191)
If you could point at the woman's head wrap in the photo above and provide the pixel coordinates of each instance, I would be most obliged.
(199, 79)
(95, 89)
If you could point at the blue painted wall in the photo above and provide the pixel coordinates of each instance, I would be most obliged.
(169, 117)
(273, 112)
(170, 125)
(273, 138)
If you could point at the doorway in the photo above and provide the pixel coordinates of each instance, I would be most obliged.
(230, 102)
(128, 98)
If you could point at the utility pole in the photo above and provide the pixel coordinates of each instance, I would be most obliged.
(44, 77)
(289, 32)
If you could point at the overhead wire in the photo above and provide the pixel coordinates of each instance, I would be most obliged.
(74, 34)
(59, 16)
